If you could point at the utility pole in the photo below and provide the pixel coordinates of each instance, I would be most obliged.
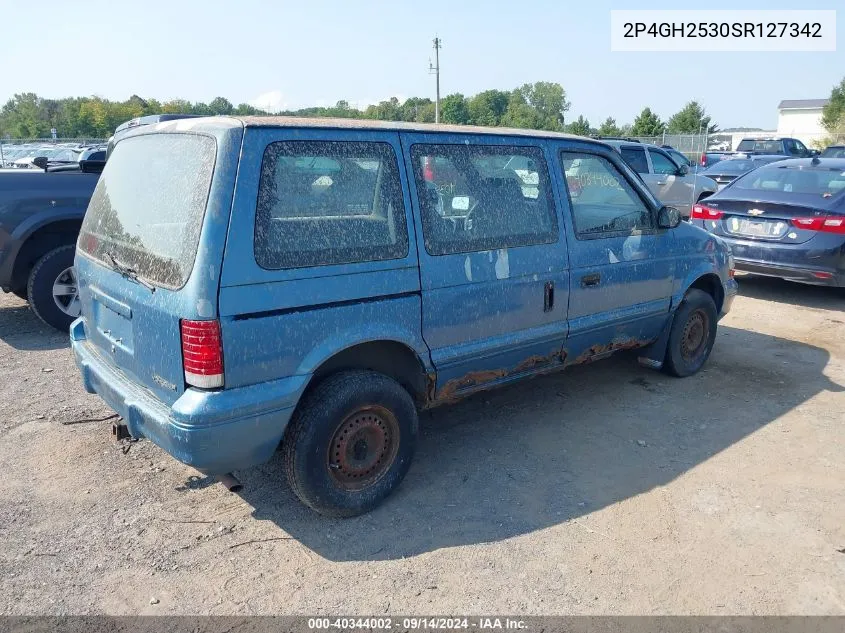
(435, 70)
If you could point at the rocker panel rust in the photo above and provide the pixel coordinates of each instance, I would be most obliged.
(534, 365)
(488, 378)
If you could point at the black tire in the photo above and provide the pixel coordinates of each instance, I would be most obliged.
(326, 468)
(20, 293)
(40, 287)
(692, 335)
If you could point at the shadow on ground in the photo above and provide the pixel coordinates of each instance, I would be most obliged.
(782, 291)
(536, 454)
(22, 330)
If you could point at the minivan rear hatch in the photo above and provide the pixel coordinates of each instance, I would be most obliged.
(138, 247)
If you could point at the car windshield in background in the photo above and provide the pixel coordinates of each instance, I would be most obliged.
(833, 152)
(825, 183)
(146, 212)
(763, 147)
(732, 166)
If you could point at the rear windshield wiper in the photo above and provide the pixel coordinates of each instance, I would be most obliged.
(127, 272)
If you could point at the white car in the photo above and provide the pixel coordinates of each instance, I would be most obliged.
(672, 184)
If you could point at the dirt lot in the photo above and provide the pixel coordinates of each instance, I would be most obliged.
(605, 489)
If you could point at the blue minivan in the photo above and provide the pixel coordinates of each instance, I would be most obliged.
(255, 283)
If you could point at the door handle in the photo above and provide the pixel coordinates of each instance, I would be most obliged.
(549, 296)
(588, 281)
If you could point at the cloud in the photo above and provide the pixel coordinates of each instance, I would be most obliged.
(272, 101)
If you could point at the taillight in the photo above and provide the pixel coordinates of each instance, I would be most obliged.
(825, 224)
(428, 168)
(700, 212)
(704, 160)
(202, 353)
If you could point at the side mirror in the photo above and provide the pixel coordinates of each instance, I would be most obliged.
(814, 152)
(668, 217)
(40, 162)
(683, 170)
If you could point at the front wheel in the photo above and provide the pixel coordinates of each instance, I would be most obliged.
(350, 443)
(52, 289)
(692, 335)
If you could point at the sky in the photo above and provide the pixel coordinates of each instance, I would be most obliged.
(279, 54)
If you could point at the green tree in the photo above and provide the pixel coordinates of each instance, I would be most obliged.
(609, 128)
(488, 107)
(176, 106)
(418, 109)
(691, 119)
(520, 113)
(244, 109)
(548, 99)
(388, 110)
(647, 124)
(580, 126)
(23, 117)
(453, 109)
(220, 105)
(833, 114)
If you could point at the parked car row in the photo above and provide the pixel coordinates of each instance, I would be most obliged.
(22, 156)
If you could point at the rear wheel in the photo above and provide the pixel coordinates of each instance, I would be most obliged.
(692, 335)
(52, 290)
(350, 443)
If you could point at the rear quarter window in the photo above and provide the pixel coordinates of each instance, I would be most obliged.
(327, 202)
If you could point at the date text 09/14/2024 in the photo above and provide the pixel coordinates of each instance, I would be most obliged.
(416, 623)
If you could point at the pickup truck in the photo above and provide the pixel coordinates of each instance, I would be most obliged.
(41, 211)
(782, 146)
(40, 215)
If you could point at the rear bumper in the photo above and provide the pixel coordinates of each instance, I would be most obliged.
(824, 253)
(802, 275)
(216, 432)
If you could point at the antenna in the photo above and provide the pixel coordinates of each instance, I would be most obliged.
(434, 69)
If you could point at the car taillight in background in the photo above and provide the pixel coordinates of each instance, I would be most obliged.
(202, 353)
(824, 224)
(704, 160)
(428, 168)
(701, 212)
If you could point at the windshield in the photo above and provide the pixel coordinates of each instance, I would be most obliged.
(825, 183)
(763, 147)
(147, 209)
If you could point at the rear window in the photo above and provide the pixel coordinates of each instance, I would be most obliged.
(825, 183)
(325, 202)
(731, 166)
(763, 147)
(148, 206)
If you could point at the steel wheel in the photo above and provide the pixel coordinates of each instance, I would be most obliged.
(66, 292)
(695, 335)
(363, 448)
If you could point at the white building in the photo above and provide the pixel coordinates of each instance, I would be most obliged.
(801, 119)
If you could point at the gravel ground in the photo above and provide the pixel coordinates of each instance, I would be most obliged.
(607, 489)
